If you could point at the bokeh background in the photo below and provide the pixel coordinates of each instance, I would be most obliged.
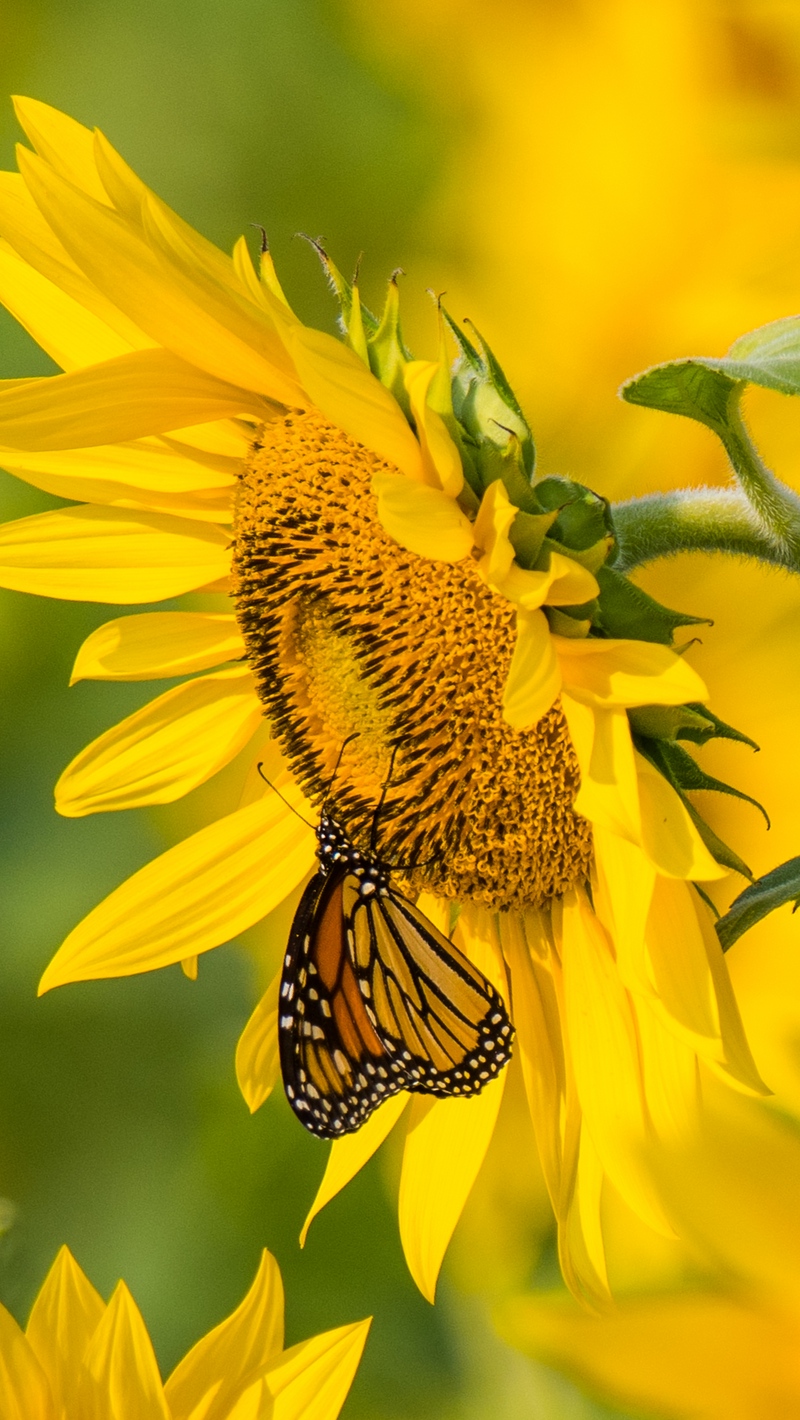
(600, 185)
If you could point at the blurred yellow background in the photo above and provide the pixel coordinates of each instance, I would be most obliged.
(599, 185)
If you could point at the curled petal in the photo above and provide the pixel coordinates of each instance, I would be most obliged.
(422, 519)
(534, 678)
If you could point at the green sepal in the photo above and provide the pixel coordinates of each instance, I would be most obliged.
(563, 621)
(342, 290)
(527, 534)
(674, 772)
(704, 897)
(721, 730)
(592, 558)
(387, 352)
(720, 851)
(484, 403)
(684, 772)
(584, 518)
(672, 722)
(628, 612)
(493, 462)
(775, 889)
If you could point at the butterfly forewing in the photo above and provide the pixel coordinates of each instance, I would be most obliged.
(375, 999)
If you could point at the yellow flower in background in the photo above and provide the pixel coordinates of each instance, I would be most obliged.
(79, 1357)
(726, 1347)
(400, 583)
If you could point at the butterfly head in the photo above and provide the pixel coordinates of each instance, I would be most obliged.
(336, 852)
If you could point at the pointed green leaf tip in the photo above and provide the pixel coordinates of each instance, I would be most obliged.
(774, 890)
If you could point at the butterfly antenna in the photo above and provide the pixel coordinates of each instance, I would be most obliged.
(275, 790)
(373, 833)
(332, 779)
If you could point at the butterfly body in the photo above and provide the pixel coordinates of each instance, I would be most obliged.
(374, 999)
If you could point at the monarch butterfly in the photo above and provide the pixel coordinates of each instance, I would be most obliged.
(374, 999)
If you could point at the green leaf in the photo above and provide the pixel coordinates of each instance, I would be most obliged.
(628, 612)
(774, 890)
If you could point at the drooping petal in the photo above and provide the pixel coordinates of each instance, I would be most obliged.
(669, 837)
(440, 457)
(310, 1381)
(166, 749)
(70, 334)
(231, 340)
(208, 1381)
(623, 894)
(107, 555)
(122, 1364)
(669, 1071)
(24, 1390)
(422, 519)
(258, 1065)
(146, 392)
(349, 1154)
(445, 1146)
(614, 672)
(609, 792)
(64, 1317)
(339, 384)
(534, 678)
(204, 891)
(604, 1052)
(158, 644)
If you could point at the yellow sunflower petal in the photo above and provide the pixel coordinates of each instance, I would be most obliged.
(204, 891)
(624, 892)
(147, 464)
(72, 335)
(585, 1216)
(422, 519)
(220, 1365)
(63, 1320)
(736, 1064)
(445, 1146)
(158, 644)
(146, 392)
(605, 1057)
(24, 228)
(440, 457)
(258, 1065)
(609, 792)
(339, 384)
(534, 678)
(490, 533)
(63, 142)
(310, 1381)
(106, 555)
(669, 1070)
(204, 327)
(166, 749)
(24, 1390)
(669, 836)
(349, 1155)
(610, 673)
(122, 1364)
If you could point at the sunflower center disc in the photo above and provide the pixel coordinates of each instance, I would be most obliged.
(349, 634)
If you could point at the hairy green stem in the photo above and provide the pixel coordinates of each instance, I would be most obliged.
(776, 506)
(696, 520)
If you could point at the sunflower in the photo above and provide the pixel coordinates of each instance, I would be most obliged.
(405, 592)
(79, 1356)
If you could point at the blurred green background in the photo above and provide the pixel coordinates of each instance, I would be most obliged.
(122, 1131)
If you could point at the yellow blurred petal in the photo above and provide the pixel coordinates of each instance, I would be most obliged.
(146, 392)
(349, 1154)
(736, 1065)
(538, 1042)
(440, 457)
(338, 382)
(669, 836)
(166, 749)
(585, 1215)
(204, 891)
(24, 1391)
(609, 792)
(62, 142)
(122, 1364)
(669, 1070)
(190, 966)
(24, 228)
(311, 1380)
(445, 1146)
(613, 672)
(104, 554)
(534, 678)
(624, 892)
(157, 644)
(604, 1051)
(209, 1379)
(258, 1065)
(63, 1320)
(422, 519)
(700, 1356)
(679, 964)
(72, 335)
(229, 340)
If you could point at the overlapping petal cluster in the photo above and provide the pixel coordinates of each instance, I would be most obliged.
(174, 356)
(80, 1357)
